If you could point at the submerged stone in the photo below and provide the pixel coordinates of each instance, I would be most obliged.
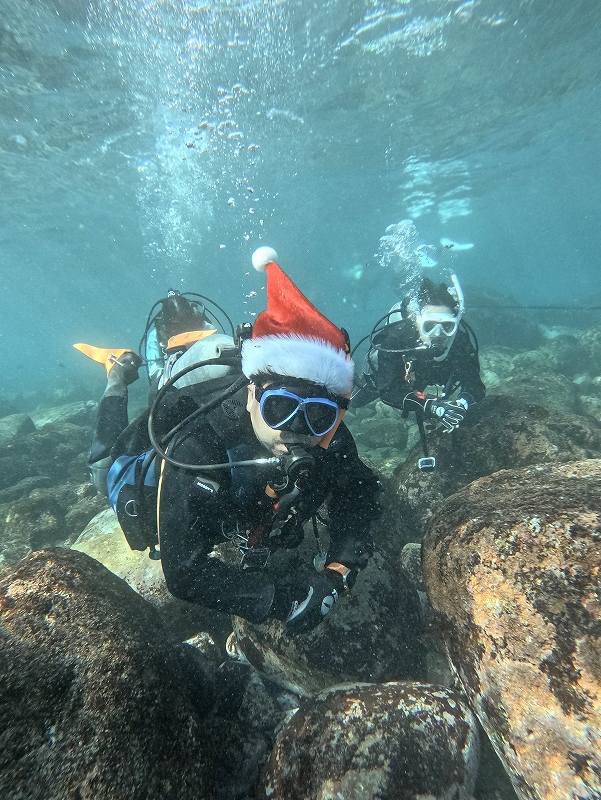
(104, 540)
(372, 635)
(97, 701)
(82, 413)
(499, 433)
(376, 742)
(14, 426)
(44, 517)
(512, 565)
(58, 452)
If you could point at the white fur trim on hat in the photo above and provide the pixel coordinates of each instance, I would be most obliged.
(304, 357)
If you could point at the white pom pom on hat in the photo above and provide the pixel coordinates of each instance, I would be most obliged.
(262, 257)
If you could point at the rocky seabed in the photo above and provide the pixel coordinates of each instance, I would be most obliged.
(465, 665)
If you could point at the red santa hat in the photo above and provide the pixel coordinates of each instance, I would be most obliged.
(292, 337)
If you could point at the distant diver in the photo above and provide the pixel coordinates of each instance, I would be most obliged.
(247, 456)
(423, 341)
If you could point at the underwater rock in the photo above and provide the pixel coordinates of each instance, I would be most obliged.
(81, 413)
(512, 565)
(370, 741)
(499, 433)
(411, 564)
(591, 404)
(23, 488)
(97, 700)
(245, 719)
(550, 390)
(591, 342)
(496, 365)
(58, 452)
(44, 517)
(104, 540)
(13, 426)
(565, 355)
(373, 634)
(381, 435)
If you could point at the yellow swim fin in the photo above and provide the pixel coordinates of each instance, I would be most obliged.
(103, 355)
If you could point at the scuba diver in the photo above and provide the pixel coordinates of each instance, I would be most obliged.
(175, 321)
(423, 342)
(246, 455)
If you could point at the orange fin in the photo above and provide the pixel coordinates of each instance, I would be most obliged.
(103, 355)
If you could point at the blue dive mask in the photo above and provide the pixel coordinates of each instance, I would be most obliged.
(280, 407)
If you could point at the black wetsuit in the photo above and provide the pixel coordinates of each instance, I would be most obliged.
(390, 376)
(194, 515)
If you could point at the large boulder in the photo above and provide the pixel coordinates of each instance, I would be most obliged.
(512, 565)
(499, 433)
(376, 742)
(372, 635)
(96, 699)
(104, 540)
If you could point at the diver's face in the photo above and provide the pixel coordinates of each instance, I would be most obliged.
(278, 441)
(436, 325)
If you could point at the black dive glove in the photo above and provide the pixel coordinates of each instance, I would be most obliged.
(449, 414)
(304, 606)
(123, 372)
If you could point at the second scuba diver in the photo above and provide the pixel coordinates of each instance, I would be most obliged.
(424, 342)
(245, 446)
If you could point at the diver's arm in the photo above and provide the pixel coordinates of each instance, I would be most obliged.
(111, 418)
(352, 506)
(189, 525)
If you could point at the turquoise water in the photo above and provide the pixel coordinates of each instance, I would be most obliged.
(151, 145)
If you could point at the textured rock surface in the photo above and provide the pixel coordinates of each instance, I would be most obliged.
(512, 563)
(82, 412)
(381, 435)
(565, 355)
(57, 451)
(96, 700)
(368, 742)
(44, 517)
(499, 433)
(411, 564)
(373, 635)
(552, 391)
(103, 540)
(13, 426)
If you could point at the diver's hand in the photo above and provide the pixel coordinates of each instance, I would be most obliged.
(124, 371)
(450, 415)
(313, 601)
